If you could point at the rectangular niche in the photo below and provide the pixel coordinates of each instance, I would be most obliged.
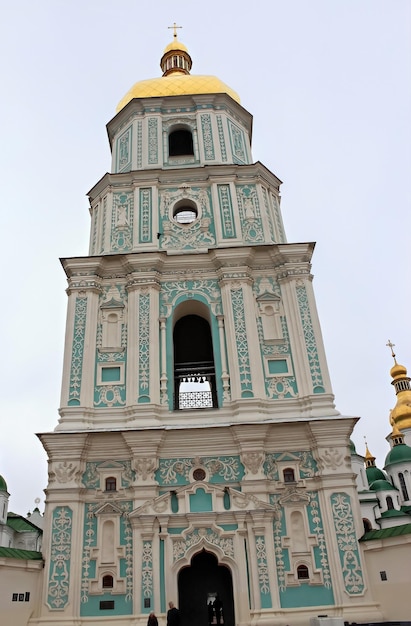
(277, 367)
(110, 373)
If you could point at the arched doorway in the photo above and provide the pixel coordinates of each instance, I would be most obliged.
(196, 583)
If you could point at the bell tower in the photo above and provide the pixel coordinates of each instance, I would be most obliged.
(196, 412)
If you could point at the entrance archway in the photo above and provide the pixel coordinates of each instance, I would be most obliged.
(196, 583)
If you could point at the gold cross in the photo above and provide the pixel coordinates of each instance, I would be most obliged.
(174, 26)
(391, 345)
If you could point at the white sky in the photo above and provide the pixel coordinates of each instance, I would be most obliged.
(329, 85)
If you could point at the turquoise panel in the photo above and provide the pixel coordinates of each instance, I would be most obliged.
(348, 549)
(60, 559)
(147, 590)
(278, 366)
(201, 501)
(229, 526)
(162, 579)
(92, 607)
(80, 317)
(176, 531)
(110, 374)
(123, 149)
(146, 211)
(306, 595)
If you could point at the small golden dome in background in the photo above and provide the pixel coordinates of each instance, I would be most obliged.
(175, 45)
(400, 416)
(398, 370)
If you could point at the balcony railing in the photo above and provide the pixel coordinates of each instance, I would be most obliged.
(196, 376)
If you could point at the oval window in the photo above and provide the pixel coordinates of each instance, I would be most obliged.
(185, 214)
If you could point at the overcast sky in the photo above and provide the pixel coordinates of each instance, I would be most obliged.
(329, 85)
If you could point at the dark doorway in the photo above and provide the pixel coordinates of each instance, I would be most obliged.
(195, 584)
(180, 143)
(194, 364)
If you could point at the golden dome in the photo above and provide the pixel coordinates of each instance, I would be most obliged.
(400, 416)
(175, 45)
(176, 80)
(398, 370)
(176, 85)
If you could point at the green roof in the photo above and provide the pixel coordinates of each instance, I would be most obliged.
(382, 485)
(20, 524)
(15, 553)
(394, 531)
(398, 454)
(393, 513)
(3, 484)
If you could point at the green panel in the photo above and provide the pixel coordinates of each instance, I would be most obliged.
(226, 212)
(229, 526)
(123, 149)
(310, 340)
(278, 366)
(162, 579)
(92, 608)
(60, 559)
(122, 219)
(201, 501)
(144, 348)
(147, 590)
(221, 139)
(237, 143)
(262, 571)
(80, 317)
(152, 140)
(207, 132)
(306, 595)
(176, 531)
(146, 216)
(110, 374)
(347, 544)
(240, 329)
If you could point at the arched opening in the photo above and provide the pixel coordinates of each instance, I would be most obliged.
(194, 369)
(302, 572)
(180, 143)
(288, 474)
(111, 484)
(367, 524)
(403, 486)
(204, 581)
(107, 582)
(390, 504)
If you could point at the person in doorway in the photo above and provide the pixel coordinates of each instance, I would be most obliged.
(210, 610)
(152, 620)
(218, 608)
(173, 615)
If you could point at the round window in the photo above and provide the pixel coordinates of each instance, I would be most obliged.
(185, 214)
(199, 474)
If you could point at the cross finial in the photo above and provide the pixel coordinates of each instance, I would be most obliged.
(174, 26)
(391, 345)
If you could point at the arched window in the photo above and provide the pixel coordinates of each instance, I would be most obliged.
(302, 572)
(367, 525)
(403, 486)
(180, 143)
(390, 504)
(288, 474)
(194, 369)
(108, 582)
(111, 484)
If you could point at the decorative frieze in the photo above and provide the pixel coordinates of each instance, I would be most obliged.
(60, 558)
(80, 317)
(347, 544)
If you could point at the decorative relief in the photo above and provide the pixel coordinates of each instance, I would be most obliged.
(144, 347)
(262, 565)
(226, 212)
(145, 467)
(91, 477)
(253, 461)
(139, 145)
(240, 329)
(172, 290)
(250, 214)
(80, 316)
(309, 337)
(124, 150)
(60, 557)
(316, 527)
(277, 215)
(90, 544)
(144, 225)
(237, 143)
(152, 140)
(307, 466)
(94, 230)
(331, 459)
(281, 387)
(202, 535)
(122, 222)
(221, 139)
(207, 132)
(104, 225)
(176, 471)
(268, 213)
(147, 570)
(197, 234)
(347, 544)
(64, 472)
